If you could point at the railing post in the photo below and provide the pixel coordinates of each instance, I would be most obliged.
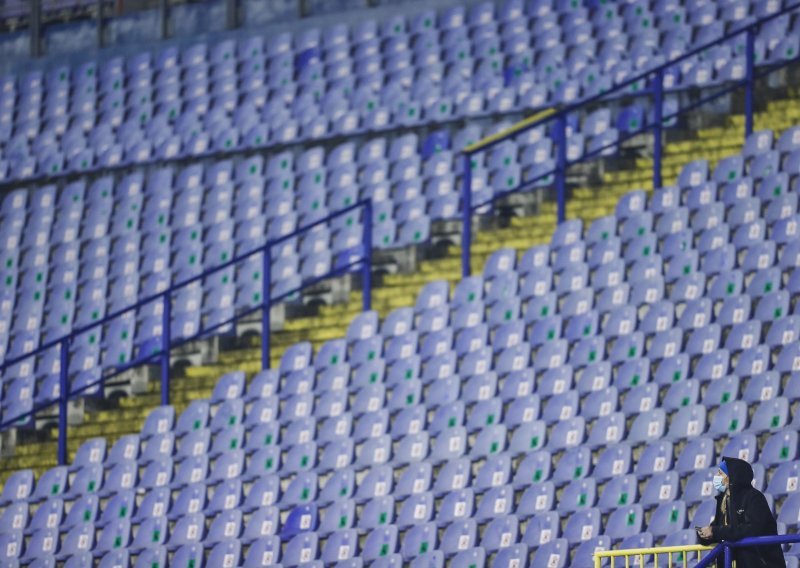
(466, 217)
(561, 166)
(266, 302)
(166, 343)
(658, 110)
(231, 14)
(728, 556)
(99, 22)
(35, 28)
(749, 86)
(163, 14)
(366, 263)
(63, 399)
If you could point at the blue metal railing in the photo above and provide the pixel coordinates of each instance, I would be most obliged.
(360, 257)
(725, 549)
(655, 77)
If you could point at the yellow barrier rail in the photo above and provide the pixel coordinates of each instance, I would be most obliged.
(513, 129)
(640, 553)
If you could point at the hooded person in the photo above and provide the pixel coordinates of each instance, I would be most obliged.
(742, 511)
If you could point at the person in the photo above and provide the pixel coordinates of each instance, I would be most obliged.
(742, 511)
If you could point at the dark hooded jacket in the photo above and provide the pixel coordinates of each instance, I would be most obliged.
(749, 515)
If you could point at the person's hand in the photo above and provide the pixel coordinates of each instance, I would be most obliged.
(704, 532)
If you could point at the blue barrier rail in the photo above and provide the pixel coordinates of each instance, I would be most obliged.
(361, 258)
(725, 550)
(653, 76)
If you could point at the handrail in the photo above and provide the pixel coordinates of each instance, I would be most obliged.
(559, 116)
(640, 553)
(520, 126)
(364, 261)
(725, 548)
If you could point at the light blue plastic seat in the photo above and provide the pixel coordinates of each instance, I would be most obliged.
(625, 522)
(302, 489)
(42, 543)
(458, 537)
(612, 462)
(619, 491)
(577, 495)
(191, 499)
(52, 483)
(456, 505)
(226, 525)
(455, 474)
(15, 517)
(730, 418)
(432, 295)
(778, 449)
(88, 480)
(770, 416)
(113, 539)
(667, 519)
(703, 513)
(682, 393)
(607, 430)
(574, 464)
(225, 553)
(648, 427)
(79, 540)
(12, 545)
(418, 541)
(226, 496)
(338, 515)
(188, 531)
(542, 526)
(264, 523)
(659, 488)
(656, 458)
(18, 487)
(688, 422)
(150, 535)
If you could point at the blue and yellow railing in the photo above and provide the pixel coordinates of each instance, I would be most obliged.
(725, 550)
(686, 556)
(663, 557)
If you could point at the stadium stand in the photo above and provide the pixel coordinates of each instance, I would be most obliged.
(481, 431)
(411, 69)
(574, 394)
(174, 221)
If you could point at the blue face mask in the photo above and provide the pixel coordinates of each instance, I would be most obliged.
(718, 485)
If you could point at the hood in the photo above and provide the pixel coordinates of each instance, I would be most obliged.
(740, 473)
